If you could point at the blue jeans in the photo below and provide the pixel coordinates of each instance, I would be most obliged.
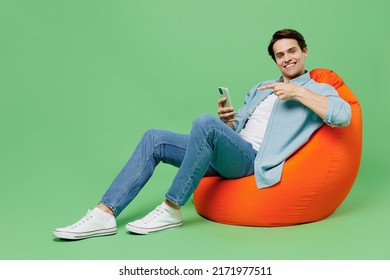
(211, 148)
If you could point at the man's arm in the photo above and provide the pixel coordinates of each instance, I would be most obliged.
(316, 102)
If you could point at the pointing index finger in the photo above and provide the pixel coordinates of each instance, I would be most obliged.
(266, 86)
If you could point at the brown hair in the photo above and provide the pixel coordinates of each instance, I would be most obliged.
(289, 34)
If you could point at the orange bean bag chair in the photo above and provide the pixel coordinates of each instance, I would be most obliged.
(315, 180)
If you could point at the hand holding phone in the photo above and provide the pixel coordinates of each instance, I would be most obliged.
(226, 112)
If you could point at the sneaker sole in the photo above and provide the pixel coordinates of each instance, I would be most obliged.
(83, 235)
(140, 230)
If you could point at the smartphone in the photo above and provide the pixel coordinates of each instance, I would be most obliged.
(225, 93)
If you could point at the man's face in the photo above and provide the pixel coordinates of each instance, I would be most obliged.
(289, 58)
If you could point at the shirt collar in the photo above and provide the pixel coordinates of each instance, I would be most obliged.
(300, 80)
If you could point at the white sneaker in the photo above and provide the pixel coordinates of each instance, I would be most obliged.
(161, 218)
(94, 223)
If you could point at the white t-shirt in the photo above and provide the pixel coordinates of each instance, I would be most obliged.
(254, 130)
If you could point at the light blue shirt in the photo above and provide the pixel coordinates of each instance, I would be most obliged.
(290, 125)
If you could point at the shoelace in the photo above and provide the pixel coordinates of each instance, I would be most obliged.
(84, 219)
(153, 215)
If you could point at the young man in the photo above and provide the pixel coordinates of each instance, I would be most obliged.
(277, 118)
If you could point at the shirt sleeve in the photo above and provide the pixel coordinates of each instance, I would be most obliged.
(338, 112)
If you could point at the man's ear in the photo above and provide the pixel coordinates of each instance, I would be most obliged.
(305, 51)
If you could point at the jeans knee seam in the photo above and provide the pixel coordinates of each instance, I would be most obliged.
(233, 143)
(197, 160)
(208, 132)
(127, 189)
(203, 144)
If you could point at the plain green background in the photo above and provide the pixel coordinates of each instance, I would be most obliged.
(80, 81)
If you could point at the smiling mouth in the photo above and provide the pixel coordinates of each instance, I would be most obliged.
(289, 65)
